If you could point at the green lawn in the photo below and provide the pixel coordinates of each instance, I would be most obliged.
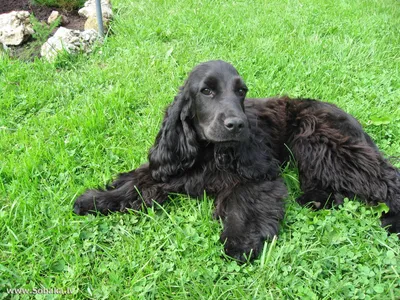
(75, 124)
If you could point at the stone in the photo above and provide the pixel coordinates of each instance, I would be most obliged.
(91, 23)
(89, 9)
(64, 20)
(15, 27)
(71, 41)
(55, 15)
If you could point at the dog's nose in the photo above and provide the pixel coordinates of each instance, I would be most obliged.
(234, 124)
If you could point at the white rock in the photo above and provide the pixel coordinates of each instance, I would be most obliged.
(72, 41)
(53, 17)
(91, 23)
(15, 27)
(89, 9)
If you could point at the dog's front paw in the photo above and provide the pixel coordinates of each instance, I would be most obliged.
(241, 248)
(104, 202)
(96, 201)
(86, 203)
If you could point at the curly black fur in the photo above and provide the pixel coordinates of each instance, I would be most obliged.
(212, 139)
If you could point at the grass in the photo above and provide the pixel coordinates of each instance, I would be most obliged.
(78, 122)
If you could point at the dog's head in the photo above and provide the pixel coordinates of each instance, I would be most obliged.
(208, 108)
(217, 94)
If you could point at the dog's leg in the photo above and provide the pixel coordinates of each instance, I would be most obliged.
(391, 220)
(251, 213)
(130, 191)
(349, 170)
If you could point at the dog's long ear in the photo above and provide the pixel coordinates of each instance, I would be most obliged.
(176, 147)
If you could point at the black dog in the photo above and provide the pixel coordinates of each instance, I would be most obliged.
(213, 139)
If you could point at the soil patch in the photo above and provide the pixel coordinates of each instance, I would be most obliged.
(43, 12)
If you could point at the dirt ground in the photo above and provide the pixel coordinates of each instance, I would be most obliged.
(42, 12)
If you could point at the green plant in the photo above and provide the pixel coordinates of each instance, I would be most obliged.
(67, 5)
(42, 30)
(41, 33)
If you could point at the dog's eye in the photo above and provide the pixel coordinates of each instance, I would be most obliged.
(206, 92)
(242, 92)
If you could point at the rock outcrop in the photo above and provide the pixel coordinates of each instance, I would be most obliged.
(89, 9)
(71, 41)
(91, 23)
(15, 28)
